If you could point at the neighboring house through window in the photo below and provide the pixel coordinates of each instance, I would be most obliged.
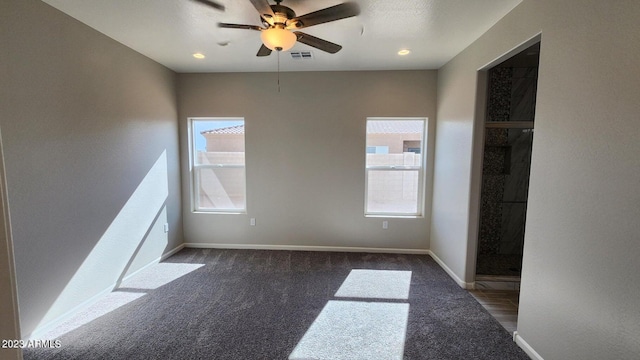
(395, 174)
(218, 164)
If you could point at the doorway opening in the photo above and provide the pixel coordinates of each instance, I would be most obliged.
(508, 139)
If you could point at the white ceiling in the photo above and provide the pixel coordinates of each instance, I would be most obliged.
(170, 31)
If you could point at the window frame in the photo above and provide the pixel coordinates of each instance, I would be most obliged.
(195, 169)
(421, 169)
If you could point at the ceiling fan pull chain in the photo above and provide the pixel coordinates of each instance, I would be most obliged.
(278, 53)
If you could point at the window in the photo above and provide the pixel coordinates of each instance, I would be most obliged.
(395, 176)
(218, 165)
(377, 149)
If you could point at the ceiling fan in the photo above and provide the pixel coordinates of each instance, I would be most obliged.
(280, 22)
(213, 4)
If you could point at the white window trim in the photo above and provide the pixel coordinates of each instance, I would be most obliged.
(195, 168)
(421, 173)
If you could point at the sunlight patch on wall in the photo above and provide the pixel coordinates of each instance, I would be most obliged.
(148, 252)
(376, 284)
(355, 330)
(113, 253)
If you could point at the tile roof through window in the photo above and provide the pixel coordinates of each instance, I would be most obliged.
(238, 129)
(373, 127)
(395, 126)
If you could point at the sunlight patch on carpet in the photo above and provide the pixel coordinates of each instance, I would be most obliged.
(159, 274)
(355, 330)
(376, 284)
(105, 305)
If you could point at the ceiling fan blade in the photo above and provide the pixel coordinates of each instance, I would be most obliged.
(264, 51)
(212, 4)
(337, 12)
(263, 7)
(317, 43)
(239, 26)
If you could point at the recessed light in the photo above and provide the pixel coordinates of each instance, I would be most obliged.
(404, 52)
(198, 56)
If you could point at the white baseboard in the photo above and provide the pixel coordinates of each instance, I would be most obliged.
(526, 347)
(153, 262)
(464, 285)
(42, 330)
(461, 283)
(171, 252)
(307, 248)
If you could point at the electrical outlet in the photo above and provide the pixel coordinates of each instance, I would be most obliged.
(252, 222)
(385, 224)
(166, 227)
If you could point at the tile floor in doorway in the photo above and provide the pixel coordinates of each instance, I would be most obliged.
(501, 304)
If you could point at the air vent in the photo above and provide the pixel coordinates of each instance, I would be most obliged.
(301, 55)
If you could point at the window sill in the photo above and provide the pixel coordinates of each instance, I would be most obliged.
(392, 216)
(242, 212)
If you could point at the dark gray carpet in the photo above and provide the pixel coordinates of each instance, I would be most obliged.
(246, 304)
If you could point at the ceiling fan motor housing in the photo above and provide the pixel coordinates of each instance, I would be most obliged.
(282, 15)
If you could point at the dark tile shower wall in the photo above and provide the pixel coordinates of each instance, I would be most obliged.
(499, 103)
(523, 94)
(493, 182)
(512, 94)
(516, 186)
(506, 164)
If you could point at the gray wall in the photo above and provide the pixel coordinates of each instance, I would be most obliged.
(578, 298)
(305, 155)
(91, 154)
(90, 140)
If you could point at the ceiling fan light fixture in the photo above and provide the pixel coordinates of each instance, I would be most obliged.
(278, 39)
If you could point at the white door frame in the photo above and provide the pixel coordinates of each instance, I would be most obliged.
(478, 155)
(9, 318)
